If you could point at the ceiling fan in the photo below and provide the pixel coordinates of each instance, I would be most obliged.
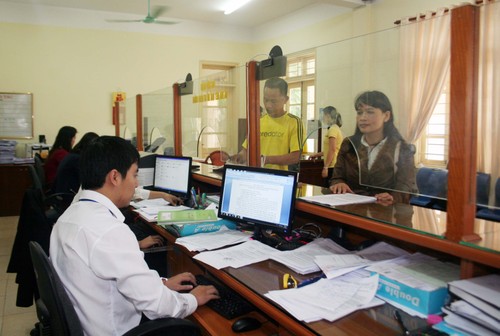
(151, 17)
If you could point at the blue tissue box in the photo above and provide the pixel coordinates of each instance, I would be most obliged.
(203, 227)
(422, 301)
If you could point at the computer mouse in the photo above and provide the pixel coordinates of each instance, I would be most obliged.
(246, 324)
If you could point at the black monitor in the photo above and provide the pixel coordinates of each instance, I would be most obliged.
(172, 174)
(258, 198)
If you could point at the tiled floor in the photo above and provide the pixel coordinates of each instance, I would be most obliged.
(14, 321)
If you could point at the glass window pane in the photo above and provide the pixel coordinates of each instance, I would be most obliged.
(295, 96)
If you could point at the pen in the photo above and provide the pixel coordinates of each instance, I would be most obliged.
(193, 192)
(310, 281)
(398, 318)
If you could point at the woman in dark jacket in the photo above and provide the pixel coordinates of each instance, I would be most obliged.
(376, 160)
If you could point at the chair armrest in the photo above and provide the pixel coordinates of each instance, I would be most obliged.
(168, 326)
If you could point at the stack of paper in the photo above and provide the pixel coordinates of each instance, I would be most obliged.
(248, 253)
(149, 209)
(339, 199)
(301, 260)
(329, 299)
(478, 311)
(213, 240)
(7, 151)
(334, 265)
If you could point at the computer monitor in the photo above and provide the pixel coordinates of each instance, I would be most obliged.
(258, 198)
(172, 174)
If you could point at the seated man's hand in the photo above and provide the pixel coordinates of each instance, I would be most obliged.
(203, 294)
(151, 241)
(174, 200)
(176, 282)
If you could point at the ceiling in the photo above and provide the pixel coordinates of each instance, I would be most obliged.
(251, 15)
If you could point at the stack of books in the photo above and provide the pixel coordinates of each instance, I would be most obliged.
(476, 308)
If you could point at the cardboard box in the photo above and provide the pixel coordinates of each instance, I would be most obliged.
(421, 301)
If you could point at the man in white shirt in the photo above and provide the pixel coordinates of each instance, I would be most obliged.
(98, 257)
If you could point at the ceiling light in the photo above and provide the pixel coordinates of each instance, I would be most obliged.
(234, 5)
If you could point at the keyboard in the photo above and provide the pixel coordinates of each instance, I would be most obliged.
(231, 304)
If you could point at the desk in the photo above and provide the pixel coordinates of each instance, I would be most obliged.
(14, 180)
(411, 226)
(253, 281)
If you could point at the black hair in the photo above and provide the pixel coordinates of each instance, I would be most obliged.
(84, 141)
(63, 139)
(103, 155)
(334, 114)
(277, 83)
(379, 100)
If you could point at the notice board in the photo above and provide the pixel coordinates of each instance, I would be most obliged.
(16, 115)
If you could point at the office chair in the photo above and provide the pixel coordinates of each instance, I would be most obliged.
(217, 158)
(432, 185)
(492, 214)
(483, 181)
(58, 317)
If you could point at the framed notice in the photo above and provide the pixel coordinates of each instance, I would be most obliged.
(16, 115)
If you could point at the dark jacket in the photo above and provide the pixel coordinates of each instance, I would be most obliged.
(33, 225)
(385, 175)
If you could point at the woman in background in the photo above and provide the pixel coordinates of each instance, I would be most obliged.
(67, 179)
(376, 160)
(65, 140)
(331, 142)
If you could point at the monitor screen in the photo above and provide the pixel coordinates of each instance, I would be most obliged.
(260, 197)
(172, 175)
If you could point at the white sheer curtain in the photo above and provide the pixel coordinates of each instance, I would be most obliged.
(489, 93)
(424, 67)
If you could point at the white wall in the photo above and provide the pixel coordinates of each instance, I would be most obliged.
(73, 71)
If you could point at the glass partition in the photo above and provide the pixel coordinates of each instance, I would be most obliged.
(214, 116)
(488, 166)
(366, 79)
(158, 121)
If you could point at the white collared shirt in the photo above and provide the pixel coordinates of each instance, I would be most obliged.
(103, 270)
(372, 150)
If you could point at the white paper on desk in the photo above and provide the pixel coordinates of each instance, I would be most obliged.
(339, 199)
(418, 271)
(250, 252)
(328, 299)
(468, 311)
(301, 260)
(213, 240)
(334, 265)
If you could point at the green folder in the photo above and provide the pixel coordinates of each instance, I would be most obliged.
(186, 216)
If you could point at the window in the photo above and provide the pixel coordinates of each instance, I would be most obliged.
(434, 140)
(301, 76)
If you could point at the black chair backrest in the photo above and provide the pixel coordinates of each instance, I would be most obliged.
(54, 301)
(497, 193)
(483, 181)
(39, 168)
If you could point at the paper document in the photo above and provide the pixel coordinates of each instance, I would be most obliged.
(301, 260)
(329, 299)
(339, 199)
(248, 253)
(213, 240)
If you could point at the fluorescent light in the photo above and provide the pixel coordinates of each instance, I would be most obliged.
(235, 4)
